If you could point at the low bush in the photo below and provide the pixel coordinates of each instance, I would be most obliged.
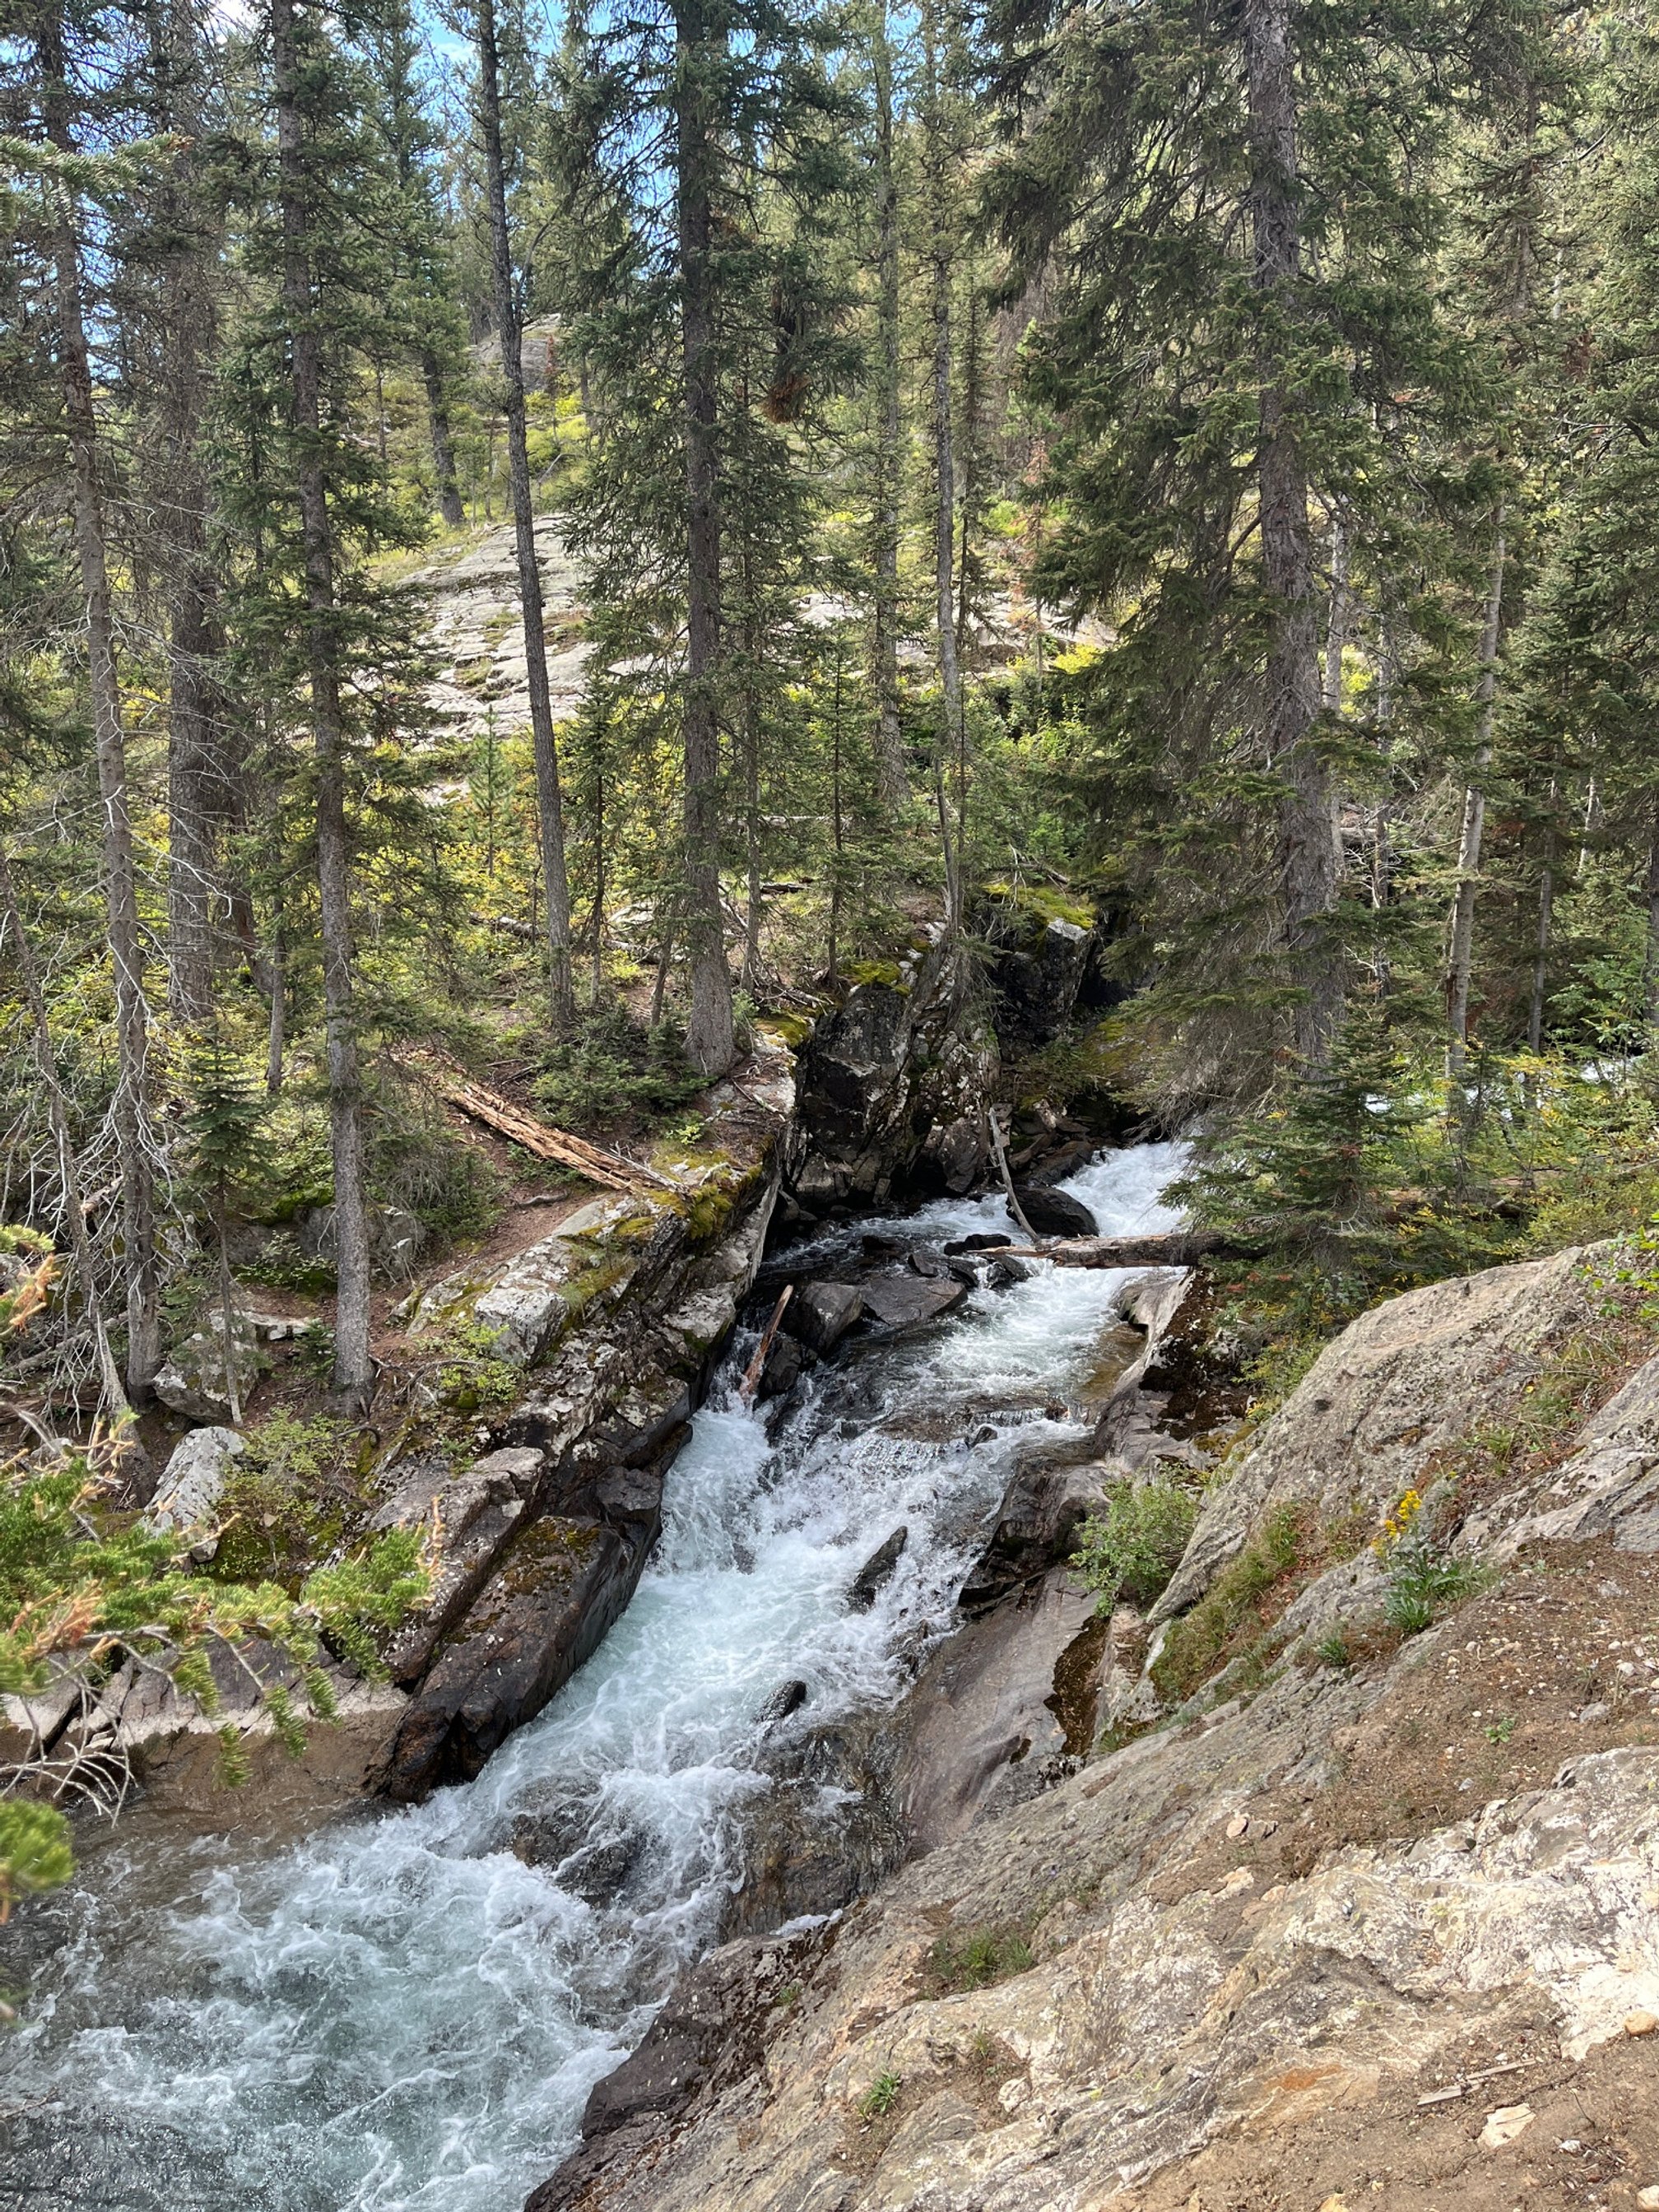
(1130, 1548)
(1230, 1611)
(976, 1960)
(612, 1067)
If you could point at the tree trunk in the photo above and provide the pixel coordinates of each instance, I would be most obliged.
(199, 771)
(450, 506)
(709, 1037)
(1540, 954)
(1336, 627)
(1650, 957)
(69, 1177)
(1310, 855)
(353, 1365)
(131, 1111)
(950, 746)
(550, 798)
(890, 777)
(1460, 958)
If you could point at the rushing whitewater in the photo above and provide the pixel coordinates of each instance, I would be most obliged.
(400, 2015)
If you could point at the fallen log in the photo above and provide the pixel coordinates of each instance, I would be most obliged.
(756, 1367)
(1177, 1248)
(538, 1138)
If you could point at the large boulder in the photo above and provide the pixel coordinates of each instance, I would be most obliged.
(1397, 1390)
(1036, 981)
(894, 1086)
(193, 1480)
(562, 1586)
(907, 1301)
(1055, 1213)
(820, 1313)
(397, 1238)
(194, 1378)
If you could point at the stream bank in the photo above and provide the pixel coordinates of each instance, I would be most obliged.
(412, 2007)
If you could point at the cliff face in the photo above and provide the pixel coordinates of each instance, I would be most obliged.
(1368, 1914)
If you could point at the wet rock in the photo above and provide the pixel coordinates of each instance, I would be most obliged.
(193, 1480)
(783, 1370)
(1043, 1507)
(928, 1265)
(472, 1512)
(787, 1699)
(979, 1242)
(876, 1249)
(980, 1729)
(1003, 1275)
(720, 2017)
(545, 1609)
(1036, 981)
(1055, 1213)
(907, 1301)
(1059, 1166)
(820, 1313)
(877, 1571)
(894, 1083)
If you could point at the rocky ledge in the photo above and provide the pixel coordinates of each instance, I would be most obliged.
(1340, 1911)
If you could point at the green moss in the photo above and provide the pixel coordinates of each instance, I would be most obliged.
(790, 1029)
(876, 971)
(1046, 902)
(594, 1283)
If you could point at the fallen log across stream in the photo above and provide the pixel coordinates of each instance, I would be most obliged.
(1180, 1248)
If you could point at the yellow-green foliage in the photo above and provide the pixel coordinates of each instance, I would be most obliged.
(83, 1588)
(1198, 1641)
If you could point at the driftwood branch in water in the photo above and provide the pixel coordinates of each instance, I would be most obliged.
(756, 1367)
(536, 1137)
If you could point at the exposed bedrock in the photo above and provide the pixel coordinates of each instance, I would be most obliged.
(1288, 1943)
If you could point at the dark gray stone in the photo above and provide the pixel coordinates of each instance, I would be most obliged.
(820, 1313)
(1055, 1213)
(907, 1301)
(877, 1571)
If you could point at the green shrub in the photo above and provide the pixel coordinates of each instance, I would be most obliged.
(612, 1067)
(83, 1589)
(880, 2099)
(978, 1959)
(1198, 1641)
(1132, 1548)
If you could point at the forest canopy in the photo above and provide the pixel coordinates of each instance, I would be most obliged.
(1190, 469)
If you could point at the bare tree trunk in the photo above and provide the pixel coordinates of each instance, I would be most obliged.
(1650, 957)
(1540, 954)
(550, 798)
(890, 777)
(708, 1038)
(450, 504)
(1309, 854)
(1460, 958)
(131, 1107)
(69, 1176)
(950, 746)
(354, 1371)
(1336, 627)
(833, 954)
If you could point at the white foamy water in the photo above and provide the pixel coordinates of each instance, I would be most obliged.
(399, 2014)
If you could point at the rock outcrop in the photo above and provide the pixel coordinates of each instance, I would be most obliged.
(894, 1086)
(616, 1319)
(1369, 1924)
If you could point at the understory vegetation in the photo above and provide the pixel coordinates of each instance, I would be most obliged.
(539, 551)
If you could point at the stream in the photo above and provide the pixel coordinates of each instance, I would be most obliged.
(399, 2013)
